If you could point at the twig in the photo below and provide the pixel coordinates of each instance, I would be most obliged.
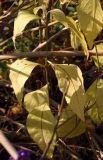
(12, 121)
(56, 125)
(5, 83)
(97, 146)
(74, 156)
(81, 148)
(8, 146)
(38, 54)
(49, 40)
(13, 11)
(47, 18)
(89, 136)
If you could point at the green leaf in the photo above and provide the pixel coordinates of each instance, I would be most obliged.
(94, 100)
(20, 71)
(90, 16)
(23, 18)
(71, 75)
(68, 22)
(40, 121)
(98, 60)
(70, 125)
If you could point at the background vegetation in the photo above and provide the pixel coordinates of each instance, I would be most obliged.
(51, 78)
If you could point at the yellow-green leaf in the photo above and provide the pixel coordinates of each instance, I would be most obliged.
(23, 18)
(93, 112)
(68, 22)
(59, 16)
(73, 26)
(91, 93)
(70, 125)
(71, 75)
(100, 97)
(64, 1)
(40, 121)
(94, 100)
(37, 9)
(20, 71)
(98, 60)
(90, 16)
(75, 42)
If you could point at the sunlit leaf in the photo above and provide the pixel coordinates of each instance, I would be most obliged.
(40, 121)
(37, 9)
(71, 75)
(20, 2)
(75, 42)
(28, 6)
(93, 112)
(70, 126)
(98, 60)
(59, 16)
(100, 97)
(20, 71)
(73, 26)
(23, 18)
(90, 16)
(91, 93)
(94, 101)
(68, 22)
(64, 1)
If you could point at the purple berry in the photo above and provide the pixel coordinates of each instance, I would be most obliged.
(23, 155)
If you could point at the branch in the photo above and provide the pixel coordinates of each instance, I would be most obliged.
(72, 153)
(38, 54)
(49, 40)
(56, 124)
(35, 53)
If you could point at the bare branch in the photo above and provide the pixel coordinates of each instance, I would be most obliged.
(49, 40)
(38, 54)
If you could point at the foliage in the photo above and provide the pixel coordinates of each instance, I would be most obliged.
(23, 18)
(98, 60)
(37, 102)
(40, 116)
(94, 98)
(20, 71)
(68, 22)
(75, 91)
(37, 81)
(91, 19)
